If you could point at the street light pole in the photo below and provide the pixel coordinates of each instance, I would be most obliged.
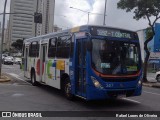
(105, 12)
(88, 19)
(3, 26)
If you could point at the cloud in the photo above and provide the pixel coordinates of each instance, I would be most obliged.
(73, 17)
(98, 9)
(66, 17)
(115, 17)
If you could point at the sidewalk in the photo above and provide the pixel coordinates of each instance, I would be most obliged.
(4, 78)
(152, 82)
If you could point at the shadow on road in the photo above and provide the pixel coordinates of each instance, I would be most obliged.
(110, 104)
(91, 105)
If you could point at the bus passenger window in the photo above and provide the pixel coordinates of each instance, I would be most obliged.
(72, 47)
(34, 49)
(63, 47)
(52, 48)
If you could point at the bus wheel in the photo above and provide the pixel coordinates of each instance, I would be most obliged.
(33, 79)
(67, 89)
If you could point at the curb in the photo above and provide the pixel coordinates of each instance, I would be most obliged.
(151, 85)
(156, 86)
(4, 79)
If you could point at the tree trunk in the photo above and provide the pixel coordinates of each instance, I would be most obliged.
(145, 67)
(146, 59)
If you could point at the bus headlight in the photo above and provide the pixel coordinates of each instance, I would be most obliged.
(140, 81)
(96, 83)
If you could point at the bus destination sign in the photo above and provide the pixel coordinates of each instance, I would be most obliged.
(113, 33)
(110, 32)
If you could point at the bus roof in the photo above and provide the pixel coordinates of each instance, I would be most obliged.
(73, 30)
(85, 27)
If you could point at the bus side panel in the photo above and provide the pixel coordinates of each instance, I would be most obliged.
(31, 64)
(26, 62)
(28, 68)
(54, 69)
(36, 66)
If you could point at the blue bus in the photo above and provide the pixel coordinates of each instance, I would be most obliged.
(90, 62)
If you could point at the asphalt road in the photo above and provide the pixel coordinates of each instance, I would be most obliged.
(20, 95)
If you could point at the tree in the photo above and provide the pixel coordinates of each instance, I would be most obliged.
(18, 44)
(147, 9)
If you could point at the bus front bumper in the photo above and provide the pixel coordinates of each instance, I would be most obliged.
(96, 93)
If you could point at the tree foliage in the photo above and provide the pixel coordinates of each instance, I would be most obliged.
(18, 44)
(143, 9)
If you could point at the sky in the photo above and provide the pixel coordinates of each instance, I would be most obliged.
(66, 17)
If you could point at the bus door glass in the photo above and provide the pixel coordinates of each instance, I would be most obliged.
(81, 68)
(43, 62)
(26, 61)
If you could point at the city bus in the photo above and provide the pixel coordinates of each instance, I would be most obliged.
(90, 62)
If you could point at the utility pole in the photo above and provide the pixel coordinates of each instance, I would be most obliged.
(3, 27)
(105, 12)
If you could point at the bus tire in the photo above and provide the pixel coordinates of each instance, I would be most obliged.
(33, 79)
(67, 89)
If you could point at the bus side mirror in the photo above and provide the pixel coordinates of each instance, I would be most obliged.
(89, 46)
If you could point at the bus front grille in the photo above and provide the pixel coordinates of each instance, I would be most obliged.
(119, 79)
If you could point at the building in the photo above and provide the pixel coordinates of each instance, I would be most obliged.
(21, 24)
(46, 7)
(56, 28)
(153, 46)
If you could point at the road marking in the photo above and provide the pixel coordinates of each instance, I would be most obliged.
(18, 77)
(20, 73)
(131, 100)
(151, 93)
(17, 95)
(14, 75)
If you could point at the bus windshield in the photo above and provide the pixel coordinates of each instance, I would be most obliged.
(112, 57)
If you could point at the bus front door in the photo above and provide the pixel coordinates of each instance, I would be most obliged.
(43, 62)
(81, 68)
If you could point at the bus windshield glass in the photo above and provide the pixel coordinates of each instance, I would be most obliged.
(112, 57)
